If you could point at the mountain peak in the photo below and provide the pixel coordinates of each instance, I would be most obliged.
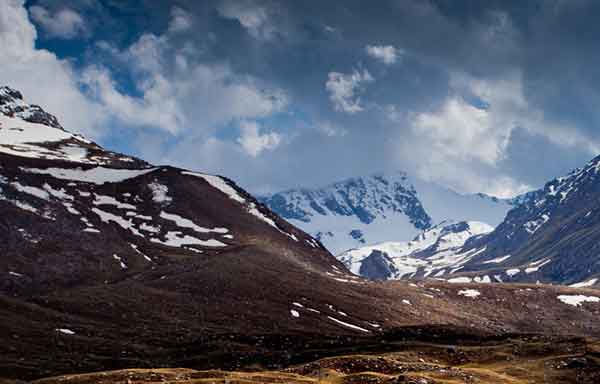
(26, 130)
(8, 92)
(354, 211)
(12, 104)
(379, 207)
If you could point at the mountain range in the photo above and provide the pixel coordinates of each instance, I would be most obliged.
(550, 236)
(378, 208)
(110, 262)
(547, 235)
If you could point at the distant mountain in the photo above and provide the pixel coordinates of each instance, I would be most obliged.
(378, 208)
(551, 235)
(436, 249)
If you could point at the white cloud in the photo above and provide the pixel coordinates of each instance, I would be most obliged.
(179, 94)
(342, 90)
(463, 142)
(510, 109)
(40, 75)
(463, 176)
(180, 20)
(256, 18)
(460, 130)
(64, 23)
(17, 34)
(387, 54)
(460, 144)
(253, 142)
(156, 107)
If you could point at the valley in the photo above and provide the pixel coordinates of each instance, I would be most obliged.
(111, 263)
(514, 359)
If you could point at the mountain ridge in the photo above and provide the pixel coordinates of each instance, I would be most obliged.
(548, 236)
(380, 207)
(430, 252)
(110, 264)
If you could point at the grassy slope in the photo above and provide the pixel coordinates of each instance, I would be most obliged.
(518, 360)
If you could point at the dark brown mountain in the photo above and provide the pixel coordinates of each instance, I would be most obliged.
(552, 236)
(110, 262)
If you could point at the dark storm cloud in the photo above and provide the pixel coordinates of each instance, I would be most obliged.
(479, 89)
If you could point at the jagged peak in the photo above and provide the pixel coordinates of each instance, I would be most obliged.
(558, 190)
(396, 176)
(27, 130)
(9, 92)
(12, 104)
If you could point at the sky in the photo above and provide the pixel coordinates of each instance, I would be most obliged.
(495, 97)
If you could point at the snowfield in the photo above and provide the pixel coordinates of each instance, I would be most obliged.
(435, 252)
(96, 175)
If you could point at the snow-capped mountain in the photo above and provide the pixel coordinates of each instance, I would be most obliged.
(550, 236)
(27, 130)
(435, 249)
(379, 208)
(110, 262)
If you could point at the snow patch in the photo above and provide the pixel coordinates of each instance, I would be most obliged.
(577, 300)
(186, 223)
(458, 280)
(473, 293)
(109, 200)
(107, 217)
(135, 248)
(534, 225)
(535, 266)
(497, 260)
(177, 239)
(33, 191)
(58, 193)
(584, 284)
(348, 325)
(485, 279)
(220, 184)
(65, 331)
(121, 263)
(97, 175)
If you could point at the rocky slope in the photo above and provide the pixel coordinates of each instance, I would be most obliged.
(109, 262)
(551, 237)
(373, 209)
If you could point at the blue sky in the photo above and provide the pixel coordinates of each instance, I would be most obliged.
(493, 97)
